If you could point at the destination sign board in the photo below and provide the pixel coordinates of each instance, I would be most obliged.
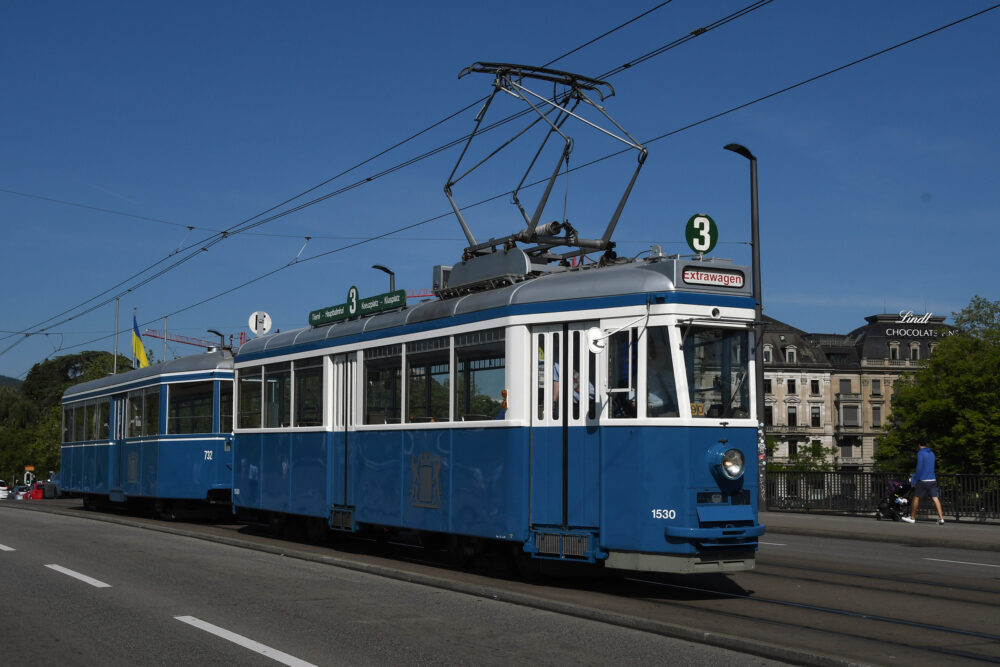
(713, 277)
(356, 306)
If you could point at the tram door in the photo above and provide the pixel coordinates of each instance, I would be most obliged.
(344, 410)
(565, 463)
(116, 459)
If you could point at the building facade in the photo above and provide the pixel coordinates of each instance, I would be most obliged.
(835, 389)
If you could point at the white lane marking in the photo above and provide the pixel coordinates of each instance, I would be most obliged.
(773, 544)
(960, 562)
(271, 653)
(4, 547)
(82, 577)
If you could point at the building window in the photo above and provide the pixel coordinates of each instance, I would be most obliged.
(790, 355)
(792, 416)
(915, 351)
(876, 387)
(845, 386)
(894, 351)
(814, 387)
(846, 451)
(767, 386)
(767, 355)
(815, 416)
(851, 415)
(768, 415)
(876, 416)
(793, 449)
(791, 386)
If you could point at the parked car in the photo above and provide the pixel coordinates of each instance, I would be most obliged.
(4, 490)
(37, 491)
(20, 492)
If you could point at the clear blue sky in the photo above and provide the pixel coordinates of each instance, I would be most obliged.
(878, 184)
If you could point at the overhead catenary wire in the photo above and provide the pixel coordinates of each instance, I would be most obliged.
(590, 163)
(248, 223)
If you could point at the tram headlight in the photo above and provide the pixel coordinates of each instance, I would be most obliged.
(728, 462)
(732, 464)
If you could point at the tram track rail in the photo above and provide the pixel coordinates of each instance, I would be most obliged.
(784, 611)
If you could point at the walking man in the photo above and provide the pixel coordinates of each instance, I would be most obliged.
(926, 483)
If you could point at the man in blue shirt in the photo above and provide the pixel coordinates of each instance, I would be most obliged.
(926, 483)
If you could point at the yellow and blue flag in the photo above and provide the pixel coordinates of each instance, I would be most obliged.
(138, 349)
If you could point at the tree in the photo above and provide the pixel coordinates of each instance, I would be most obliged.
(31, 419)
(811, 458)
(954, 401)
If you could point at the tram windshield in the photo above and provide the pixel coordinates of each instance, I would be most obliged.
(717, 371)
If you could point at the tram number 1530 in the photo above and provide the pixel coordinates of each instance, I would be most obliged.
(664, 514)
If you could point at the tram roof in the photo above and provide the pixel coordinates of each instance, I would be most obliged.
(587, 287)
(209, 361)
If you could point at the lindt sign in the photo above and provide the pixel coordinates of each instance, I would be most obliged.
(731, 279)
(907, 317)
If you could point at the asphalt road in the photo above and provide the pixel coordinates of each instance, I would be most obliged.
(84, 592)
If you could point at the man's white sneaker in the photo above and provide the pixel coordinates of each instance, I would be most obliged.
(907, 519)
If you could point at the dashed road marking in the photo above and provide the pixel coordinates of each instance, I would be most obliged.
(82, 577)
(240, 640)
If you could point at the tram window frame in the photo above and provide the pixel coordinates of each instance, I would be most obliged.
(225, 405)
(428, 380)
(383, 386)
(104, 419)
(250, 397)
(307, 393)
(623, 373)
(660, 374)
(143, 410)
(80, 421)
(480, 359)
(277, 385)
(697, 341)
(190, 407)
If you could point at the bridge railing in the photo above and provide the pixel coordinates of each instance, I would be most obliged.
(963, 497)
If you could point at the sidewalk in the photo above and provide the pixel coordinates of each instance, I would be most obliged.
(954, 534)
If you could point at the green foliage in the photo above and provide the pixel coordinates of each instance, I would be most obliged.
(812, 458)
(31, 418)
(953, 402)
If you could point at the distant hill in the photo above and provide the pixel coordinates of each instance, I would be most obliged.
(9, 381)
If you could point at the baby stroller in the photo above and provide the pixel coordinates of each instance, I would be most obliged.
(895, 504)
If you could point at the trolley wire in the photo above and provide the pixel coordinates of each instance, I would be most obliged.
(504, 194)
(248, 223)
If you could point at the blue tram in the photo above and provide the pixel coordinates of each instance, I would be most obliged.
(159, 436)
(596, 412)
(600, 414)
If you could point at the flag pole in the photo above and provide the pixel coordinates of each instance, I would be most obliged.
(115, 367)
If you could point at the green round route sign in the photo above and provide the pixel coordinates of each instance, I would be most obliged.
(701, 233)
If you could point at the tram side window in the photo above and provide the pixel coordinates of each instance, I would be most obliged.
(67, 423)
(309, 392)
(250, 397)
(428, 389)
(278, 395)
(79, 422)
(661, 392)
(225, 406)
(104, 419)
(383, 384)
(717, 372)
(623, 372)
(189, 407)
(143, 412)
(480, 375)
(151, 412)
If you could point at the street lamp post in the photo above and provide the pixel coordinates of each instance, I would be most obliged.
(392, 276)
(758, 315)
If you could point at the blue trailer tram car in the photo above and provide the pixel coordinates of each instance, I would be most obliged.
(155, 438)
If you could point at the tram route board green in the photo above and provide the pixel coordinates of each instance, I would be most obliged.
(356, 306)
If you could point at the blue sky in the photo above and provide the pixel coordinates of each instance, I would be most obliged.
(126, 123)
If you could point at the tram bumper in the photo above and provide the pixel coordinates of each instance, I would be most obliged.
(720, 526)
